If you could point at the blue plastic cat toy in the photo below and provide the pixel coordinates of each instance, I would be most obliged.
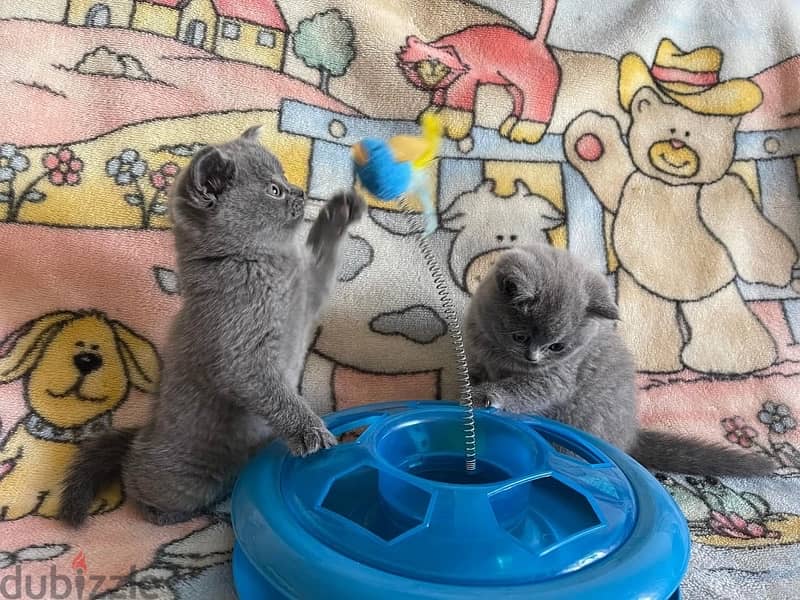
(550, 513)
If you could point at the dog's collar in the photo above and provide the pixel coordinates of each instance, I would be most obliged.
(40, 428)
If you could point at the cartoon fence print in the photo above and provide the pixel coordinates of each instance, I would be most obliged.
(461, 169)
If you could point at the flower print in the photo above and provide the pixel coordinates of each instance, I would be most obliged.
(737, 432)
(12, 161)
(163, 178)
(126, 168)
(732, 525)
(778, 417)
(63, 167)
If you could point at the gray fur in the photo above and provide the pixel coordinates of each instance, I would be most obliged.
(537, 296)
(252, 292)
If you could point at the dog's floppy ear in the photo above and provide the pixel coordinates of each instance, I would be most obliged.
(139, 356)
(21, 350)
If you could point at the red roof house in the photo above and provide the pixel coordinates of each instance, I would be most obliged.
(259, 12)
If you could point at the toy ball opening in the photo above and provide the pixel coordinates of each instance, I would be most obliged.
(432, 448)
(450, 469)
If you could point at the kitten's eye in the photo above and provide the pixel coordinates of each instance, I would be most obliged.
(520, 338)
(275, 190)
(557, 347)
(672, 130)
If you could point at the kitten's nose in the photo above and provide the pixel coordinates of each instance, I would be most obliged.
(676, 143)
(86, 362)
(297, 207)
(533, 355)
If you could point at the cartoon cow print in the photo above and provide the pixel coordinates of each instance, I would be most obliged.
(487, 224)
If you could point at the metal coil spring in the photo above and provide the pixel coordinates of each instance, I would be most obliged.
(454, 327)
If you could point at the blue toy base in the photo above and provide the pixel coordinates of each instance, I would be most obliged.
(551, 513)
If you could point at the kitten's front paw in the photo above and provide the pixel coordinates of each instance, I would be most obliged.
(311, 438)
(481, 398)
(345, 208)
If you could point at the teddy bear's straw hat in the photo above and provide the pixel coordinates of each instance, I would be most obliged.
(689, 78)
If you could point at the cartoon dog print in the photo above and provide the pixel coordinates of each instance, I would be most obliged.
(684, 226)
(76, 367)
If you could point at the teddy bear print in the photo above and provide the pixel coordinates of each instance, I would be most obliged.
(684, 227)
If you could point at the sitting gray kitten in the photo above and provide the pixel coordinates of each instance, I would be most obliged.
(251, 295)
(541, 340)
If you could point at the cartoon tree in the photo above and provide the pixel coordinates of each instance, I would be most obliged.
(325, 42)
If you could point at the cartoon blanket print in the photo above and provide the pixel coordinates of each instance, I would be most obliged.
(454, 66)
(671, 181)
(719, 515)
(613, 131)
(488, 224)
(75, 369)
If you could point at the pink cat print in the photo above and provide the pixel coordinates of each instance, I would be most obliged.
(454, 66)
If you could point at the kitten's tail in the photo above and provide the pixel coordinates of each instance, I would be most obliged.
(681, 454)
(97, 463)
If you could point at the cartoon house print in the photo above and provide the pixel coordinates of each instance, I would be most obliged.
(252, 31)
(108, 13)
(158, 16)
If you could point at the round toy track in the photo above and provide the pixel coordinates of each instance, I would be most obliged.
(549, 513)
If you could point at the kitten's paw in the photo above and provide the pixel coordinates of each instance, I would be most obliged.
(495, 402)
(344, 208)
(356, 206)
(310, 439)
(481, 397)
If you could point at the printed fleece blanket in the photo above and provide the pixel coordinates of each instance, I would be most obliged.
(102, 103)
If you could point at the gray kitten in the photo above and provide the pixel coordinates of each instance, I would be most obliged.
(252, 292)
(541, 339)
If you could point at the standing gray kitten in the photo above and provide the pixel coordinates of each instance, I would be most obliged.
(251, 295)
(541, 340)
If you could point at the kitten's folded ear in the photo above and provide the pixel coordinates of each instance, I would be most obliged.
(210, 173)
(601, 298)
(507, 284)
(252, 133)
(515, 289)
